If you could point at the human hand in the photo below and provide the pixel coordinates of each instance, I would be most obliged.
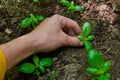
(55, 32)
(51, 34)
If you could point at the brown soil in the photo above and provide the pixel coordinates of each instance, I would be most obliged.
(69, 62)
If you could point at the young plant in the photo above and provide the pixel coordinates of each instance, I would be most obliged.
(86, 36)
(37, 66)
(71, 7)
(36, 1)
(32, 20)
(98, 66)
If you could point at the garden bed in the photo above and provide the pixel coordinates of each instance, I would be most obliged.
(70, 63)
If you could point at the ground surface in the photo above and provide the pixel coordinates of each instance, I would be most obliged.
(69, 63)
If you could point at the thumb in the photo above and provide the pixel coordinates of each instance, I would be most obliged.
(73, 41)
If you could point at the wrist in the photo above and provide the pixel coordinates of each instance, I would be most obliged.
(36, 44)
(17, 50)
(27, 43)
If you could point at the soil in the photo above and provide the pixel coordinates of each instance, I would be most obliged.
(70, 63)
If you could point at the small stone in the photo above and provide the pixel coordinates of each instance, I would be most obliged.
(8, 31)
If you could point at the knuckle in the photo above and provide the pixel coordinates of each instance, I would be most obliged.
(62, 20)
(74, 22)
(56, 15)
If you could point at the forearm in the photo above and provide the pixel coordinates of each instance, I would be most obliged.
(17, 50)
(51, 34)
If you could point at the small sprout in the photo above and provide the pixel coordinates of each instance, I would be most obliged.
(32, 20)
(37, 66)
(98, 66)
(36, 1)
(86, 36)
(71, 7)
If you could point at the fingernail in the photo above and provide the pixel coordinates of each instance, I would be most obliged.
(81, 44)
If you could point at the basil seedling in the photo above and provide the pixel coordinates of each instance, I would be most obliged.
(36, 1)
(71, 7)
(98, 66)
(37, 66)
(86, 36)
(32, 20)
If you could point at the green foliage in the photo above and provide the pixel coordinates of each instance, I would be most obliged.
(93, 71)
(97, 65)
(95, 59)
(71, 7)
(86, 29)
(104, 77)
(46, 62)
(86, 36)
(27, 68)
(32, 20)
(88, 45)
(36, 1)
(37, 66)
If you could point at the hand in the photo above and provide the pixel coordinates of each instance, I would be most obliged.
(55, 32)
(51, 34)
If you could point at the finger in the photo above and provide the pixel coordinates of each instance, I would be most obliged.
(72, 41)
(69, 23)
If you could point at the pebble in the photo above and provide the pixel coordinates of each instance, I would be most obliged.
(8, 31)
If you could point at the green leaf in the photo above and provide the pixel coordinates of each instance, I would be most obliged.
(101, 77)
(78, 8)
(72, 3)
(26, 68)
(34, 19)
(106, 66)
(104, 77)
(88, 45)
(95, 59)
(36, 1)
(71, 6)
(65, 2)
(86, 29)
(26, 22)
(90, 38)
(42, 69)
(81, 38)
(93, 71)
(40, 18)
(46, 62)
(36, 60)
